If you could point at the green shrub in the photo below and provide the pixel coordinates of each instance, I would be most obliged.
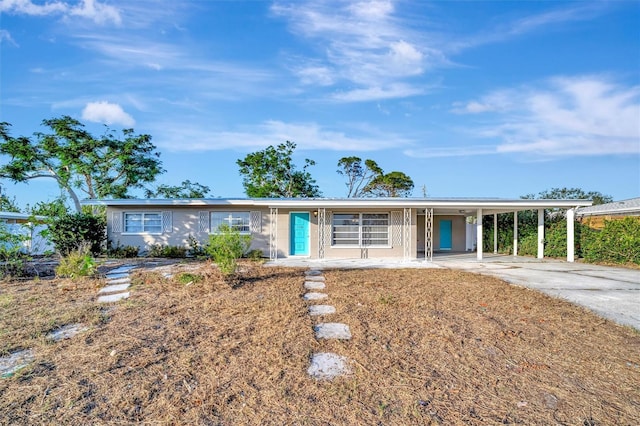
(176, 252)
(77, 264)
(71, 232)
(195, 248)
(255, 255)
(528, 245)
(12, 256)
(121, 252)
(225, 247)
(617, 242)
(186, 278)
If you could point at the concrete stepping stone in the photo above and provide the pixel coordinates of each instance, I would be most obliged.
(14, 362)
(117, 276)
(116, 288)
(119, 281)
(66, 332)
(314, 296)
(314, 278)
(314, 285)
(113, 297)
(313, 272)
(332, 330)
(327, 366)
(317, 310)
(121, 270)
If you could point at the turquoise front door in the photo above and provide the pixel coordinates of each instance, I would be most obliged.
(299, 234)
(445, 235)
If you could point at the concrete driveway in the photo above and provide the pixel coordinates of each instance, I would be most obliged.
(613, 293)
(610, 292)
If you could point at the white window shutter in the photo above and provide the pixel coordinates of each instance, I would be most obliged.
(255, 222)
(167, 221)
(204, 222)
(116, 222)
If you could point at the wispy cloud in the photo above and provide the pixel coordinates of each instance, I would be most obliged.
(94, 10)
(107, 113)
(556, 18)
(5, 37)
(564, 116)
(364, 44)
(307, 136)
(392, 91)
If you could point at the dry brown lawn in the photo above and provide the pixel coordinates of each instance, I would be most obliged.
(429, 347)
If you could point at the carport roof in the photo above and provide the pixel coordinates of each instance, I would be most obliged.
(460, 206)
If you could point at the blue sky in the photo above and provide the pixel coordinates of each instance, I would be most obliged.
(468, 98)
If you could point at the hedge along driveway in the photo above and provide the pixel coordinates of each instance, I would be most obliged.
(613, 293)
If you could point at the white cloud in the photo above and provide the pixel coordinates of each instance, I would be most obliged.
(320, 75)
(107, 113)
(545, 21)
(452, 151)
(371, 93)
(364, 44)
(500, 100)
(26, 7)
(372, 10)
(98, 12)
(307, 136)
(565, 116)
(5, 37)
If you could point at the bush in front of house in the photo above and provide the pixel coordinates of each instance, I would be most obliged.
(122, 252)
(174, 252)
(12, 255)
(225, 247)
(71, 232)
(617, 242)
(77, 264)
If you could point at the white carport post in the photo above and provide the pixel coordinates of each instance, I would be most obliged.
(495, 233)
(479, 234)
(540, 233)
(570, 235)
(515, 233)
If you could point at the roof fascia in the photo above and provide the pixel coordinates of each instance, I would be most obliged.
(462, 204)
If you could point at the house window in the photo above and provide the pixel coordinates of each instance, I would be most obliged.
(360, 229)
(239, 221)
(138, 223)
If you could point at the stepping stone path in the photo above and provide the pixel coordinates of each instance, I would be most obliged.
(15, 362)
(314, 296)
(118, 281)
(66, 332)
(332, 330)
(325, 365)
(314, 285)
(316, 310)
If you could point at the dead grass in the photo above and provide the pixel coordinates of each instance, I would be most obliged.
(428, 347)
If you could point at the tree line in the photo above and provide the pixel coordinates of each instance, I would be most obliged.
(114, 164)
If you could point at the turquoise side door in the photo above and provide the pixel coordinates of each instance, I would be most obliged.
(445, 235)
(299, 234)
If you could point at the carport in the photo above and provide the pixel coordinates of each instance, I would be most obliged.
(478, 208)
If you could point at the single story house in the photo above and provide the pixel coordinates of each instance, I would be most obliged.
(318, 228)
(30, 226)
(594, 216)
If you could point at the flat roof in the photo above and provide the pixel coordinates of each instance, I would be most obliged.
(458, 205)
(17, 216)
(632, 205)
